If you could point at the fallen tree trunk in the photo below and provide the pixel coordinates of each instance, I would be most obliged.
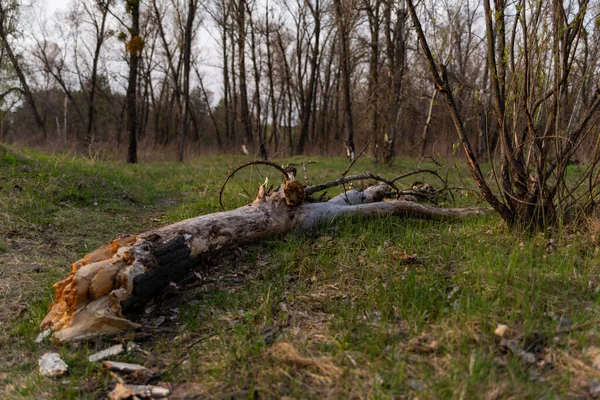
(127, 272)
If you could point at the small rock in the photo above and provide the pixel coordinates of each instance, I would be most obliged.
(52, 365)
(501, 330)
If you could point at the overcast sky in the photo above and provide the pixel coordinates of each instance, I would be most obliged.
(53, 5)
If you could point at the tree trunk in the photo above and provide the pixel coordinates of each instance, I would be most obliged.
(270, 69)
(241, 23)
(345, 67)
(134, 49)
(308, 100)
(262, 150)
(187, 49)
(100, 34)
(397, 75)
(126, 273)
(373, 106)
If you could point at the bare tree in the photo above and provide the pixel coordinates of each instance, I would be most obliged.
(343, 21)
(397, 62)
(539, 130)
(134, 47)
(97, 14)
(240, 17)
(9, 11)
(192, 7)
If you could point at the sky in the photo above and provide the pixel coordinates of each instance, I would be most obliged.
(53, 5)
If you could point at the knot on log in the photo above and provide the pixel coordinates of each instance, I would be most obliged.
(294, 193)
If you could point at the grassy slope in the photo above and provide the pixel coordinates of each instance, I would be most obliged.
(376, 323)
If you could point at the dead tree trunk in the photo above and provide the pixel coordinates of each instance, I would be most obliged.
(126, 273)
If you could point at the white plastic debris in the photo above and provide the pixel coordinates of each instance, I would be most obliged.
(52, 365)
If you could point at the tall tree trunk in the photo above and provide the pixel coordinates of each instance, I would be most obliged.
(309, 97)
(270, 68)
(397, 75)
(100, 32)
(187, 49)
(373, 106)
(262, 150)
(134, 47)
(245, 113)
(345, 67)
(226, 84)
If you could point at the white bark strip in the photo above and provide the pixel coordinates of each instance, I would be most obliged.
(127, 272)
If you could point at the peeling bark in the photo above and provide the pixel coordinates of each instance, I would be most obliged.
(124, 274)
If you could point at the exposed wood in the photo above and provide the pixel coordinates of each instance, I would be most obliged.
(123, 391)
(122, 366)
(124, 274)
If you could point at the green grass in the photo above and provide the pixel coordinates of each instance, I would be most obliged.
(387, 308)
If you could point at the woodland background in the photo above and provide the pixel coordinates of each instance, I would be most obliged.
(290, 77)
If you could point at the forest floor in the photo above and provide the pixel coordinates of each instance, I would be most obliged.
(386, 308)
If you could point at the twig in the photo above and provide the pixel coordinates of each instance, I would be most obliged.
(317, 188)
(580, 326)
(355, 159)
(433, 160)
(255, 162)
(350, 166)
(304, 164)
(420, 171)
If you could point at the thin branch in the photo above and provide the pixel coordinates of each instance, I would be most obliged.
(256, 162)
